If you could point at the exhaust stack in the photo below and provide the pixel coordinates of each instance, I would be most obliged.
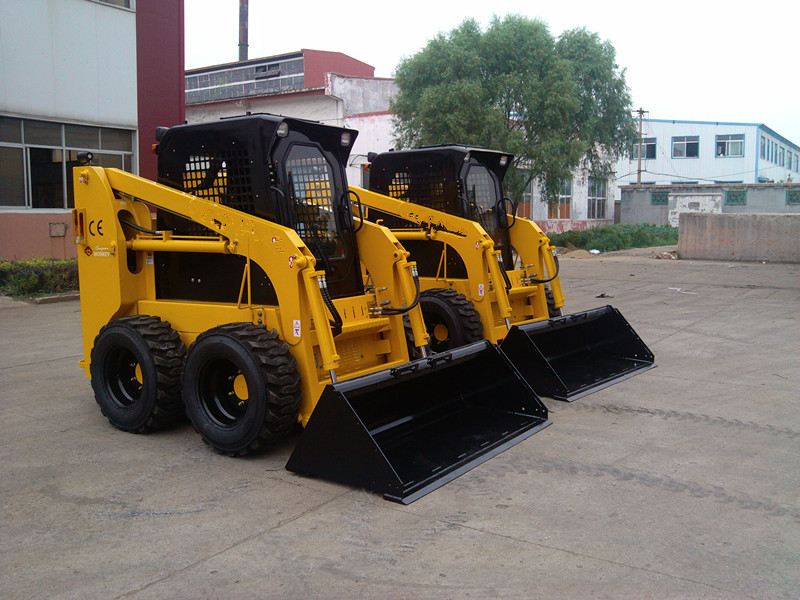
(243, 30)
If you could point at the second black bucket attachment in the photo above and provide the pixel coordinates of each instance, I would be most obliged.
(406, 431)
(572, 356)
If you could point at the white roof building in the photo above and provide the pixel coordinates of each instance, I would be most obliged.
(697, 152)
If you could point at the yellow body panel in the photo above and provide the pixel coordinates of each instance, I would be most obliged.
(484, 286)
(117, 279)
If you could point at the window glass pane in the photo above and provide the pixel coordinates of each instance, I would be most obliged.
(12, 186)
(107, 161)
(692, 149)
(122, 3)
(47, 182)
(481, 188)
(72, 162)
(39, 132)
(115, 139)
(10, 130)
(312, 181)
(78, 136)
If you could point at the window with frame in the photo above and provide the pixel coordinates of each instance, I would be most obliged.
(763, 147)
(527, 194)
(686, 146)
(562, 207)
(793, 197)
(648, 147)
(735, 197)
(782, 157)
(598, 192)
(730, 145)
(37, 158)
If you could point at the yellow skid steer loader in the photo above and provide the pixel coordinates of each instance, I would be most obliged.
(486, 272)
(256, 264)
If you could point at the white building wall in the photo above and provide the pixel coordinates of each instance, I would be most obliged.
(374, 135)
(314, 107)
(361, 95)
(774, 166)
(68, 60)
(707, 167)
(578, 218)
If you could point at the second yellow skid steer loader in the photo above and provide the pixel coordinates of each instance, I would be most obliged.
(256, 264)
(479, 263)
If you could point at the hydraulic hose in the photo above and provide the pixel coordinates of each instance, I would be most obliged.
(336, 324)
(503, 272)
(558, 268)
(503, 223)
(140, 228)
(401, 311)
(360, 210)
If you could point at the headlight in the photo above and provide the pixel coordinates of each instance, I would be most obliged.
(467, 156)
(503, 161)
(283, 129)
(346, 138)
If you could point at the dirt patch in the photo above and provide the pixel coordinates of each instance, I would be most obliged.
(579, 254)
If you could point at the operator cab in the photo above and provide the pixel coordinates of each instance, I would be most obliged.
(459, 180)
(288, 171)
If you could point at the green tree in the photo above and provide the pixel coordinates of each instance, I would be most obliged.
(551, 102)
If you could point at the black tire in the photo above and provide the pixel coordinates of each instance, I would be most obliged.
(414, 351)
(241, 388)
(450, 319)
(552, 311)
(136, 369)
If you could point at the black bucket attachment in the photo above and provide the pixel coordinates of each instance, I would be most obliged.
(406, 431)
(572, 356)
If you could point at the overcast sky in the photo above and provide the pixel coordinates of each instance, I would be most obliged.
(702, 61)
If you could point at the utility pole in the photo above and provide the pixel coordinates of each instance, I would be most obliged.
(641, 112)
(242, 30)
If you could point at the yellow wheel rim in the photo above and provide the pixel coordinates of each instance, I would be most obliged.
(240, 387)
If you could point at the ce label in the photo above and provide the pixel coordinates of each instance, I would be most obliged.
(98, 227)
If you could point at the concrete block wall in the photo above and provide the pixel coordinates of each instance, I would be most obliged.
(739, 237)
(637, 201)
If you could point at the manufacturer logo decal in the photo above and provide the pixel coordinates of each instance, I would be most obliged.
(88, 250)
(98, 227)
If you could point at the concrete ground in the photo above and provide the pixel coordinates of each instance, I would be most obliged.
(682, 482)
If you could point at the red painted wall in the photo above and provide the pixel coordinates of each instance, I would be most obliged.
(32, 234)
(318, 62)
(160, 66)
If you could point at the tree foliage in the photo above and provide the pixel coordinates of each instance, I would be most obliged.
(553, 103)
